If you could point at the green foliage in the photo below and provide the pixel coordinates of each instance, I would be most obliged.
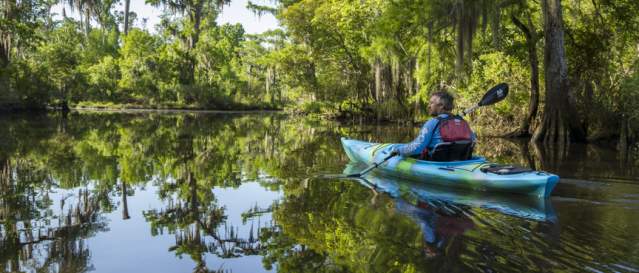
(139, 66)
(102, 78)
(491, 69)
(58, 57)
(372, 58)
(77, 64)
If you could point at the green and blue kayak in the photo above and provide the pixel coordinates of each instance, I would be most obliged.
(470, 174)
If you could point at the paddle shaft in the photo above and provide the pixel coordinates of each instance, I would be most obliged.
(375, 165)
(467, 111)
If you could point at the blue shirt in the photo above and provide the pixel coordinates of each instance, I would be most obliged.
(428, 136)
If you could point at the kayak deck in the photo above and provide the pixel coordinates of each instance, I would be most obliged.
(459, 174)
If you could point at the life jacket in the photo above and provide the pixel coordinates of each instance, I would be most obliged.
(451, 128)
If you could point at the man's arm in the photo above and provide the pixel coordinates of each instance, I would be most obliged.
(420, 142)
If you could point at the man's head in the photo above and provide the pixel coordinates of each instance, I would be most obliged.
(440, 103)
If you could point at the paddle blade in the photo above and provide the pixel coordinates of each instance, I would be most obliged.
(495, 94)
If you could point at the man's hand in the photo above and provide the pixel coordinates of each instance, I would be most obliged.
(394, 153)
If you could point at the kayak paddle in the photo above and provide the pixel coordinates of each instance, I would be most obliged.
(494, 95)
(375, 165)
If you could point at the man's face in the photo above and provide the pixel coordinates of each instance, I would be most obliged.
(435, 107)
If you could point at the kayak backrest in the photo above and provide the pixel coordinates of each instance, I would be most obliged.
(452, 151)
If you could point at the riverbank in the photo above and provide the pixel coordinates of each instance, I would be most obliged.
(124, 107)
(170, 111)
(227, 106)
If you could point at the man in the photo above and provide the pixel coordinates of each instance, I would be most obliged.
(444, 127)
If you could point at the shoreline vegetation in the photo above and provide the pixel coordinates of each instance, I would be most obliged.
(482, 130)
(572, 66)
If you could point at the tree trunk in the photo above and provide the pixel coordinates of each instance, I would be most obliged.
(410, 84)
(5, 37)
(383, 87)
(533, 103)
(559, 124)
(126, 16)
(270, 85)
(416, 105)
(625, 134)
(5, 173)
(87, 23)
(49, 19)
(383, 81)
(4, 50)
(193, 203)
(378, 80)
(459, 63)
(125, 206)
(588, 92)
(196, 18)
(623, 146)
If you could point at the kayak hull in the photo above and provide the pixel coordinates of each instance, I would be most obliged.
(458, 174)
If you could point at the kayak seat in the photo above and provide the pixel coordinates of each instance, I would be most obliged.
(452, 151)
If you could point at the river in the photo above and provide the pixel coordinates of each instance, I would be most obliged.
(234, 192)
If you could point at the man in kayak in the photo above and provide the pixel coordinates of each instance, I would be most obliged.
(443, 127)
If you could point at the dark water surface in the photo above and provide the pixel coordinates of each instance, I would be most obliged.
(247, 193)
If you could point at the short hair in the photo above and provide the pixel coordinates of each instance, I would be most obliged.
(447, 100)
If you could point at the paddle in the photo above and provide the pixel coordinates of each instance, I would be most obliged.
(494, 95)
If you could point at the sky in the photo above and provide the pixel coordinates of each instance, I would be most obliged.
(236, 12)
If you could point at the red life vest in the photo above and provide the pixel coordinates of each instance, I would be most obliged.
(454, 128)
(451, 129)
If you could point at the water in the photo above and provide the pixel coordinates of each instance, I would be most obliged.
(114, 192)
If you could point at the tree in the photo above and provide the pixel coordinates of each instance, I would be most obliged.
(140, 66)
(533, 104)
(196, 11)
(18, 22)
(560, 123)
(84, 9)
(59, 59)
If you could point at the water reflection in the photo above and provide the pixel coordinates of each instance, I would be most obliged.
(447, 199)
(45, 159)
(219, 193)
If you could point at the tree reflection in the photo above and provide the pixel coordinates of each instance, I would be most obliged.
(185, 156)
(202, 162)
(331, 227)
(27, 222)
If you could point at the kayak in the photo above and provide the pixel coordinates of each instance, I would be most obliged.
(447, 198)
(475, 174)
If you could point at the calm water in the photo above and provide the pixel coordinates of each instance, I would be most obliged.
(244, 193)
